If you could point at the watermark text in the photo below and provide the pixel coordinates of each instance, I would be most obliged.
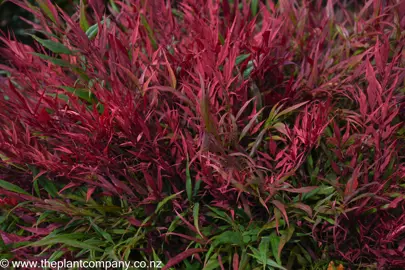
(65, 264)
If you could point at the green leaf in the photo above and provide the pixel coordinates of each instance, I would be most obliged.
(256, 254)
(166, 200)
(174, 223)
(114, 6)
(271, 225)
(331, 221)
(53, 46)
(49, 186)
(47, 34)
(310, 194)
(84, 24)
(194, 266)
(55, 61)
(221, 38)
(285, 237)
(264, 250)
(11, 187)
(254, 5)
(188, 181)
(60, 96)
(244, 260)
(151, 35)
(56, 255)
(155, 256)
(228, 237)
(196, 211)
(81, 93)
(272, 116)
(208, 254)
(216, 213)
(241, 58)
(197, 187)
(177, 13)
(310, 161)
(36, 188)
(46, 10)
(212, 263)
(275, 242)
(64, 240)
(326, 190)
(104, 234)
(272, 263)
(92, 31)
(248, 70)
(305, 253)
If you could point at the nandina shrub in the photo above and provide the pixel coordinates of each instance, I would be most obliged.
(286, 116)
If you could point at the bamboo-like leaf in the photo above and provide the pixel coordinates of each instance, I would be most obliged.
(81, 93)
(11, 187)
(196, 212)
(189, 186)
(151, 35)
(241, 58)
(264, 250)
(285, 237)
(171, 73)
(290, 109)
(55, 61)
(281, 207)
(53, 46)
(183, 255)
(166, 200)
(65, 240)
(84, 24)
(254, 6)
(48, 12)
(249, 125)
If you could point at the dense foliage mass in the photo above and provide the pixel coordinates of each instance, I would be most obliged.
(16, 19)
(206, 134)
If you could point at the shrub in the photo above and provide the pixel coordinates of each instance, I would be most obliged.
(248, 134)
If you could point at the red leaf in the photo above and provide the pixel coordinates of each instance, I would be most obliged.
(281, 207)
(220, 262)
(182, 256)
(149, 180)
(186, 222)
(299, 190)
(303, 207)
(9, 238)
(41, 231)
(90, 191)
(43, 117)
(235, 261)
(353, 183)
(374, 87)
(394, 203)
(272, 147)
(70, 185)
(201, 241)
(137, 223)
